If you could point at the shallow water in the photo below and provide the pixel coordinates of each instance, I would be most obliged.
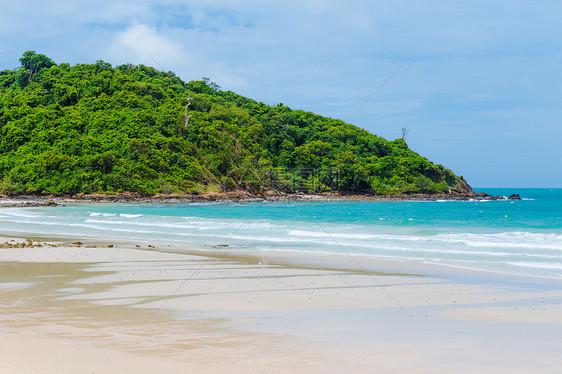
(515, 237)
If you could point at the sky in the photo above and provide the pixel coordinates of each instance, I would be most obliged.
(477, 83)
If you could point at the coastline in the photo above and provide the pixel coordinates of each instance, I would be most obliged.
(122, 308)
(234, 196)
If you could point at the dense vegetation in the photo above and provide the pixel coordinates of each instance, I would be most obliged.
(94, 128)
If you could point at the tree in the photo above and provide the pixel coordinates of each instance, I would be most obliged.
(212, 85)
(34, 62)
(405, 132)
(186, 116)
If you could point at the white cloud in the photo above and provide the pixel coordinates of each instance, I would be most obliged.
(139, 42)
(178, 50)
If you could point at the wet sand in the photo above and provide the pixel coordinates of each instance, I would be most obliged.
(122, 309)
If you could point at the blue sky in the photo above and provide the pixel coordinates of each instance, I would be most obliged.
(482, 94)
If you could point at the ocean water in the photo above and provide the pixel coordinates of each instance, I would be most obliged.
(515, 237)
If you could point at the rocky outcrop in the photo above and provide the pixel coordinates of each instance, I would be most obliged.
(28, 204)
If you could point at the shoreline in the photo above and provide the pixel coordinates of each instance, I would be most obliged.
(356, 263)
(235, 196)
(314, 261)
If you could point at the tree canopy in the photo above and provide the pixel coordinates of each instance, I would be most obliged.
(97, 128)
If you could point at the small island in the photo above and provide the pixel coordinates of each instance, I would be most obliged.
(96, 132)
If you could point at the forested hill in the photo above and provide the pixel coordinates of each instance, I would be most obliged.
(97, 128)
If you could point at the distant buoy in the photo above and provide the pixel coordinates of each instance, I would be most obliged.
(506, 216)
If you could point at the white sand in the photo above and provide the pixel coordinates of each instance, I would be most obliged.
(116, 310)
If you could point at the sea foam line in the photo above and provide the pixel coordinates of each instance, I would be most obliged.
(501, 240)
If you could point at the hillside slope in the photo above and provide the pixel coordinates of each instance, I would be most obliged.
(95, 128)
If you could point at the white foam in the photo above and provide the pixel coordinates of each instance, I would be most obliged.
(18, 212)
(97, 214)
(517, 239)
(125, 215)
(335, 235)
(201, 225)
(178, 225)
(537, 265)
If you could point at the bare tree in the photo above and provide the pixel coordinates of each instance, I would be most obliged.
(405, 132)
(186, 116)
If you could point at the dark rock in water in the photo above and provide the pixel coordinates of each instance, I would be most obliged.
(514, 196)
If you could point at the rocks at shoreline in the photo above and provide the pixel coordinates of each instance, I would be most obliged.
(485, 196)
(28, 243)
(33, 203)
(240, 196)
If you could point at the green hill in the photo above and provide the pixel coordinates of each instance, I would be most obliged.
(94, 128)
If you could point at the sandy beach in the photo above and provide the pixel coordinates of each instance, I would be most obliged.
(86, 309)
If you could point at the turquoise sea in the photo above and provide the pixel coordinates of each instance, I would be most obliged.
(515, 237)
